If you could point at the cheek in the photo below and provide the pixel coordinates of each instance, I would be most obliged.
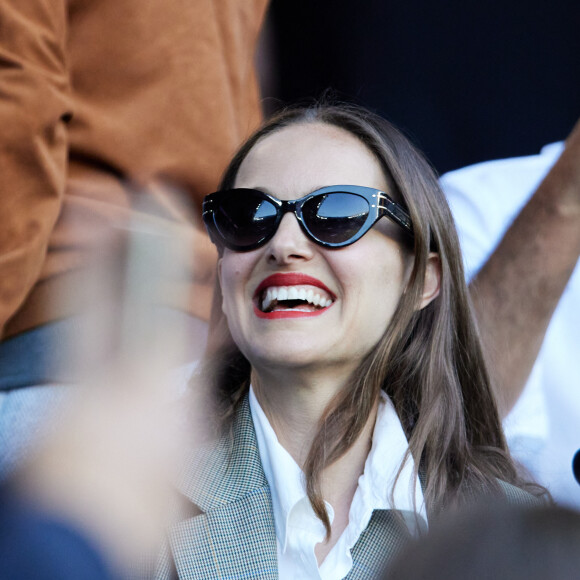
(381, 284)
(233, 272)
(227, 275)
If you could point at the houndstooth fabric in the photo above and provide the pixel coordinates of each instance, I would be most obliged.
(234, 538)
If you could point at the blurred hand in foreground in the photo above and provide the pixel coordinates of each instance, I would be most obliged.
(109, 460)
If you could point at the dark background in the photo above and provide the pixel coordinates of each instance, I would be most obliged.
(467, 81)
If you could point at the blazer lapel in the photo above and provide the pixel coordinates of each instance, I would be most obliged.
(386, 534)
(234, 536)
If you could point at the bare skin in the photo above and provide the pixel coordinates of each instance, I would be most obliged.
(519, 287)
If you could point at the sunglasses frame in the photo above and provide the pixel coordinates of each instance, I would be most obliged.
(380, 204)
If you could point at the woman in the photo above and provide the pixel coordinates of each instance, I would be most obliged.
(354, 398)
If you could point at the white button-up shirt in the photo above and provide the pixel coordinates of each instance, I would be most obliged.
(298, 530)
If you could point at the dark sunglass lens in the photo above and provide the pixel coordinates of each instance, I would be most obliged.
(335, 217)
(243, 219)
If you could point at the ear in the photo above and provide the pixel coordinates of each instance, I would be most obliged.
(432, 280)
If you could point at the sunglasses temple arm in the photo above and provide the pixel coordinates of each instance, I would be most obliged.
(397, 213)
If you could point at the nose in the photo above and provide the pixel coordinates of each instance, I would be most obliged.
(289, 243)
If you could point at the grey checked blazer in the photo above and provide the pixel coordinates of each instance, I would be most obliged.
(233, 535)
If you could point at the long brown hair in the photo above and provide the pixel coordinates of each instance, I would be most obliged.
(429, 361)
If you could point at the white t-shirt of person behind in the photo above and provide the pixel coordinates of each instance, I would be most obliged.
(543, 429)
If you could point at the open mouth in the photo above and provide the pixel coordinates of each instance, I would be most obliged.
(293, 298)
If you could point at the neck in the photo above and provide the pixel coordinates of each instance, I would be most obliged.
(294, 404)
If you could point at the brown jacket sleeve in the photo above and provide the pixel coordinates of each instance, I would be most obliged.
(34, 108)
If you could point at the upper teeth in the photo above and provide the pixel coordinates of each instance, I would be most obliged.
(280, 293)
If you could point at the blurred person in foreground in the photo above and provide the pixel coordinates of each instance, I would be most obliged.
(103, 102)
(495, 543)
(94, 499)
(519, 226)
(354, 405)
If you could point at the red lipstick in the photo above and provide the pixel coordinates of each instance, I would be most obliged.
(277, 314)
(289, 279)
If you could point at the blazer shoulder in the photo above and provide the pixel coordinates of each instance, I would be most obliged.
(517, 496)
(228, 469)
(230, 532)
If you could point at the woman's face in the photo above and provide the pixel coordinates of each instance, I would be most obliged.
(359, 285)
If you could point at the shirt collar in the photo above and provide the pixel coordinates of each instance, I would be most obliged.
(388, 449)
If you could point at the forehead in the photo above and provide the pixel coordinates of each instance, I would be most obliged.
(300, 158)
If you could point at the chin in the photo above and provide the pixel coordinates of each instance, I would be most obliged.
(284, 357)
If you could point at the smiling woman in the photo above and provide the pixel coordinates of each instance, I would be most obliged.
(354, 401)
(293, 163)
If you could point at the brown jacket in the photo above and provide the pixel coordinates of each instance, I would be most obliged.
(100, 99)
